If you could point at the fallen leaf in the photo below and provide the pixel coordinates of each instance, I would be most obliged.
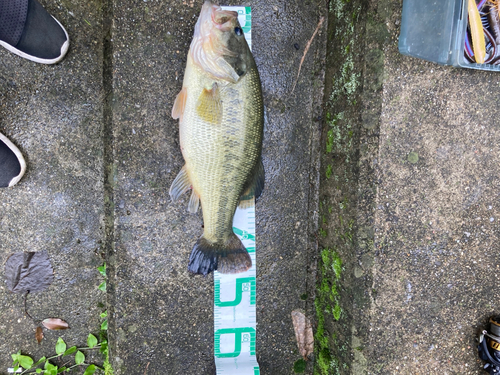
(28, 272)
(39, 334)
(55, 324)
(303, 333)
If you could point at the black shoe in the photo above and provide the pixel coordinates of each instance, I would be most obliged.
(27, 30)
(12, 164)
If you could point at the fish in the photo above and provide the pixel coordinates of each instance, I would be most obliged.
(221, 125)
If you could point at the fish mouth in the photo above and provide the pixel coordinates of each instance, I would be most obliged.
(207, 49)
(213, 15)
(224, 20)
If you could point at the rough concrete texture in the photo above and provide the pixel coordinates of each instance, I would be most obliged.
(421, 264)
(102, 152)
(54, 115)
(436, 259)
(163, 315)
(407, 203)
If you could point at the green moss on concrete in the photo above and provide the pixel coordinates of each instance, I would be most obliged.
(327, 305)
(413, 157)
(341, 134)
(329, 171)
(299, 366)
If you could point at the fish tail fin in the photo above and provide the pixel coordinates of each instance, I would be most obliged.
(229, 257)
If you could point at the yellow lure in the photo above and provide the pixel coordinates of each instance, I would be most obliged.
(477, 33)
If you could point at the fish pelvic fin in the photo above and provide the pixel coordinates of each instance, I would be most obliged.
(209, 105)
(180, 185)
(194, 202)
(254, 186)
(179, 104)
(230, 257)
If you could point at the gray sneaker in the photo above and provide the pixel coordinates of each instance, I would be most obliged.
(27, 30)
(12, 164)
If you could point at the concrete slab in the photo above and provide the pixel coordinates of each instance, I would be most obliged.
(54, 115)
(436, 259)
(420, 259)
(407, 205)
(163, 316)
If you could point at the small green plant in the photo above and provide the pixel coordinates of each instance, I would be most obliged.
(108, 369)
(44, 365)
(102, 271)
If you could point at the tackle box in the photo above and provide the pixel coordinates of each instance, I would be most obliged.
(435, 30)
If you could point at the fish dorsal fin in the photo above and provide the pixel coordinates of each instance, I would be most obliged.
(180, 185)
(179, 104)
(194, 203)
(209, 105)
(254, 186)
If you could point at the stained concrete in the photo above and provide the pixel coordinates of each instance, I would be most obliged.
(163, 315)
(437, 215)
(54, 115)
(421, 263)
(407, 203)
(103, 150)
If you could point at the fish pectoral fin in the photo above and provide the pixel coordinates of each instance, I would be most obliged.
(209, 105)
(180, 185)
(179, 104)
(254, 186)
(194, 202)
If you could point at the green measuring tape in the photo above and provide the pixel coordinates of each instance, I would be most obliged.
(234, 308)
(235, 295)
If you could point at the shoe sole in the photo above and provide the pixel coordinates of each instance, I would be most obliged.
(19, 156)
(64, 50)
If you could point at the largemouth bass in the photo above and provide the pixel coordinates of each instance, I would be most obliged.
(221, 120)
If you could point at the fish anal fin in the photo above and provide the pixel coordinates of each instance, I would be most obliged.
(209, 105)
(194, 202)
(254, 186)
(180, 185)
(179, 104)
(229, 257)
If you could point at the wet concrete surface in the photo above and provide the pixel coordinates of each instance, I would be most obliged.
(54, 115)
(102, 151)
(420, 274)
(408, 197)
(437, 216)
(163, 315)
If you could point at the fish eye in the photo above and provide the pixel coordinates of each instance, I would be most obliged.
(238, 31)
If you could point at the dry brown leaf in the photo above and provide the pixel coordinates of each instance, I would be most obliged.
(55, 324)
(28, 272)
(303, 333)
(39, 334)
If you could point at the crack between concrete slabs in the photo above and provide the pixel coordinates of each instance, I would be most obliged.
(109, 169)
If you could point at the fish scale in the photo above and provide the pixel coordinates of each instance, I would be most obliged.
(205, 144)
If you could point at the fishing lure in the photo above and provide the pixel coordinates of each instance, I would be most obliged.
(477, 32)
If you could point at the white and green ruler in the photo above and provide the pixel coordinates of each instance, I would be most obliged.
(235, 295)
(234, 308)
